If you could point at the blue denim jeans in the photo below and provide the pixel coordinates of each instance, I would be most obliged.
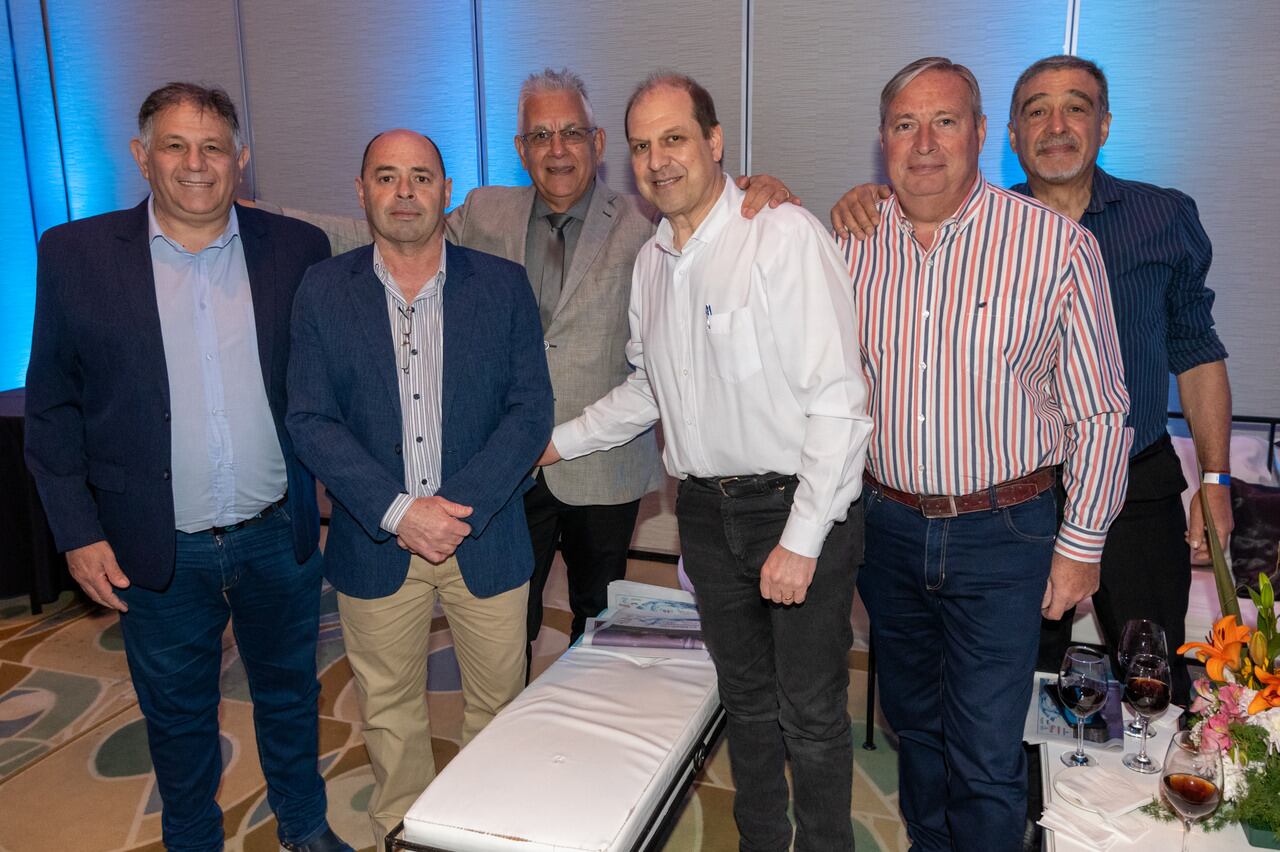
(783, 671)
(173, 641)
(955, 618)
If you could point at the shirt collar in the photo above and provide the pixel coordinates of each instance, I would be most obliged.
(1103, 191)
(721, 212)
(428, 291)
(577, 211)
(956, 222)
(232, 230)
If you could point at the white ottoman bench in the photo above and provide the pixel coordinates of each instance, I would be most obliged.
(593, 756)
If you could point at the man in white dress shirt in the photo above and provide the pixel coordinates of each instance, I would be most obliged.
(742, 337)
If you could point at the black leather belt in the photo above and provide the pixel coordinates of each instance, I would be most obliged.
(239, 525)
(754, 485)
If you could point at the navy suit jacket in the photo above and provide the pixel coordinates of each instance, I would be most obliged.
(97, 408)
(496, 417)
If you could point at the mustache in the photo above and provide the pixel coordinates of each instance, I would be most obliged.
(1057, 139)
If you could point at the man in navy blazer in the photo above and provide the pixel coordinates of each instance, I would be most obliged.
(419, 395)
(155, 432)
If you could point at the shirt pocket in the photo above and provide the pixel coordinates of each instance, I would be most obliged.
(735, 351)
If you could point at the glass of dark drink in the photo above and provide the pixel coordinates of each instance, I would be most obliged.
(1147, 692)
(1139, 636)
(1082, 686)
(1192, 781)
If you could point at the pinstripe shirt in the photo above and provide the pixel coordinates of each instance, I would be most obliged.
(1157, 256)
(993, 354)
(418, 331)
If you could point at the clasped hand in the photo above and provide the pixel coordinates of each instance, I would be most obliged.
(433, 528)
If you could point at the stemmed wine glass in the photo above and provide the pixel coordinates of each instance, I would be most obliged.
(1140, 636)
(1192, 781)
(1082, 686)
(1147, 691)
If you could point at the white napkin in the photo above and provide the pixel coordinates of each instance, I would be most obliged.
(1087, 829)
(1099, 789)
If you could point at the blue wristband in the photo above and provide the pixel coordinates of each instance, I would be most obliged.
(1214, 478)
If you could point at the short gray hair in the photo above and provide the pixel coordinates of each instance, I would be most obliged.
(930, 63)
(214, 99)
(550, 80)
(1061, 62)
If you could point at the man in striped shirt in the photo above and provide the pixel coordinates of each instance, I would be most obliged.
(1157, 257)
(989, 345)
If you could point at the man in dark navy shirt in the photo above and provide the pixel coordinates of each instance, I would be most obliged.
(1157, 256)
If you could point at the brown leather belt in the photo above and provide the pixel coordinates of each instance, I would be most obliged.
(1005, 494)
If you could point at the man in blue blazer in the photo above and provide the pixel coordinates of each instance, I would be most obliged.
(155, 432)
(419, 395)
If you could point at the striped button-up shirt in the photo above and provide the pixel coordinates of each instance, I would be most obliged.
(417, 329)
(991, 354)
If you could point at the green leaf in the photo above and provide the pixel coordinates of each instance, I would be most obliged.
(1221, 571)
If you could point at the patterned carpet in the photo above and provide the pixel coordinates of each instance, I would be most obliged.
(75, 775)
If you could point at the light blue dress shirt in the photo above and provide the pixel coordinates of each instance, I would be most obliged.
(227, 463)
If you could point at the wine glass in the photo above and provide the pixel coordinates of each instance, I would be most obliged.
(1147, 691)
(1082, 686)
(1140, 636)
(1192, 781)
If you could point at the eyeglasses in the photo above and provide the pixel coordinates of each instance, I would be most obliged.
(569, 136)
(406, 337)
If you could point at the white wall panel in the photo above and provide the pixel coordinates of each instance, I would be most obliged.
(613, 46)
(818, 68)
(1193, 101)
(325, 77)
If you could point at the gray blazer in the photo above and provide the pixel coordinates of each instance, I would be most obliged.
(589, 329)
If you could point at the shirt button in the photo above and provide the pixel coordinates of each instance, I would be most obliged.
(417, 396)
(684, 372)
(924, 366)
(413, 351)
(166, 475)
(419, 439)
(925, 314)
(208, 357)
(167, 418)
(920, 467)
(688, 421)
(921, 418)
(929, 263)
(424, 482)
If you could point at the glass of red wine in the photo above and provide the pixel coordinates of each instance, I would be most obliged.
(1140, 636)
(1192, 781)
(1082, 686)
(1146, 691)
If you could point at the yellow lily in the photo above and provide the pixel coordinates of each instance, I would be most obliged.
(1226, 641)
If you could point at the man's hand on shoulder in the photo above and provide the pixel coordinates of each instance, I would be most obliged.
(95, 568)
(856, 213)
(432, 528)
(786, 575)
(1069, 583)
(762, 190)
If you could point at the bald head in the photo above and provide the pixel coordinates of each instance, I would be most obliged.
(403, 190)
(364, 160)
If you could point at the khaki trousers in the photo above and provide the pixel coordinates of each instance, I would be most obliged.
(386, 641)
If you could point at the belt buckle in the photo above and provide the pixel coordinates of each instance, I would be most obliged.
(727, 480)
(949, 511)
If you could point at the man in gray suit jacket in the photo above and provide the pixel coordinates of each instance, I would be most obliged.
(577, 239)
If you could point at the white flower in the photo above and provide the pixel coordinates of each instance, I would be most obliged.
(1246, 698)
(1234, 784)
(1269, 720)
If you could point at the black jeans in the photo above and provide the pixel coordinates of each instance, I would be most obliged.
(1146, 567)
(783, 671)
(593, 540)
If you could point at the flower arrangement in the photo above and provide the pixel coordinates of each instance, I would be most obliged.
(1236, 712)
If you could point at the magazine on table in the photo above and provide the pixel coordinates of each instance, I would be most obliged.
(1051, 720)
(648, 621)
